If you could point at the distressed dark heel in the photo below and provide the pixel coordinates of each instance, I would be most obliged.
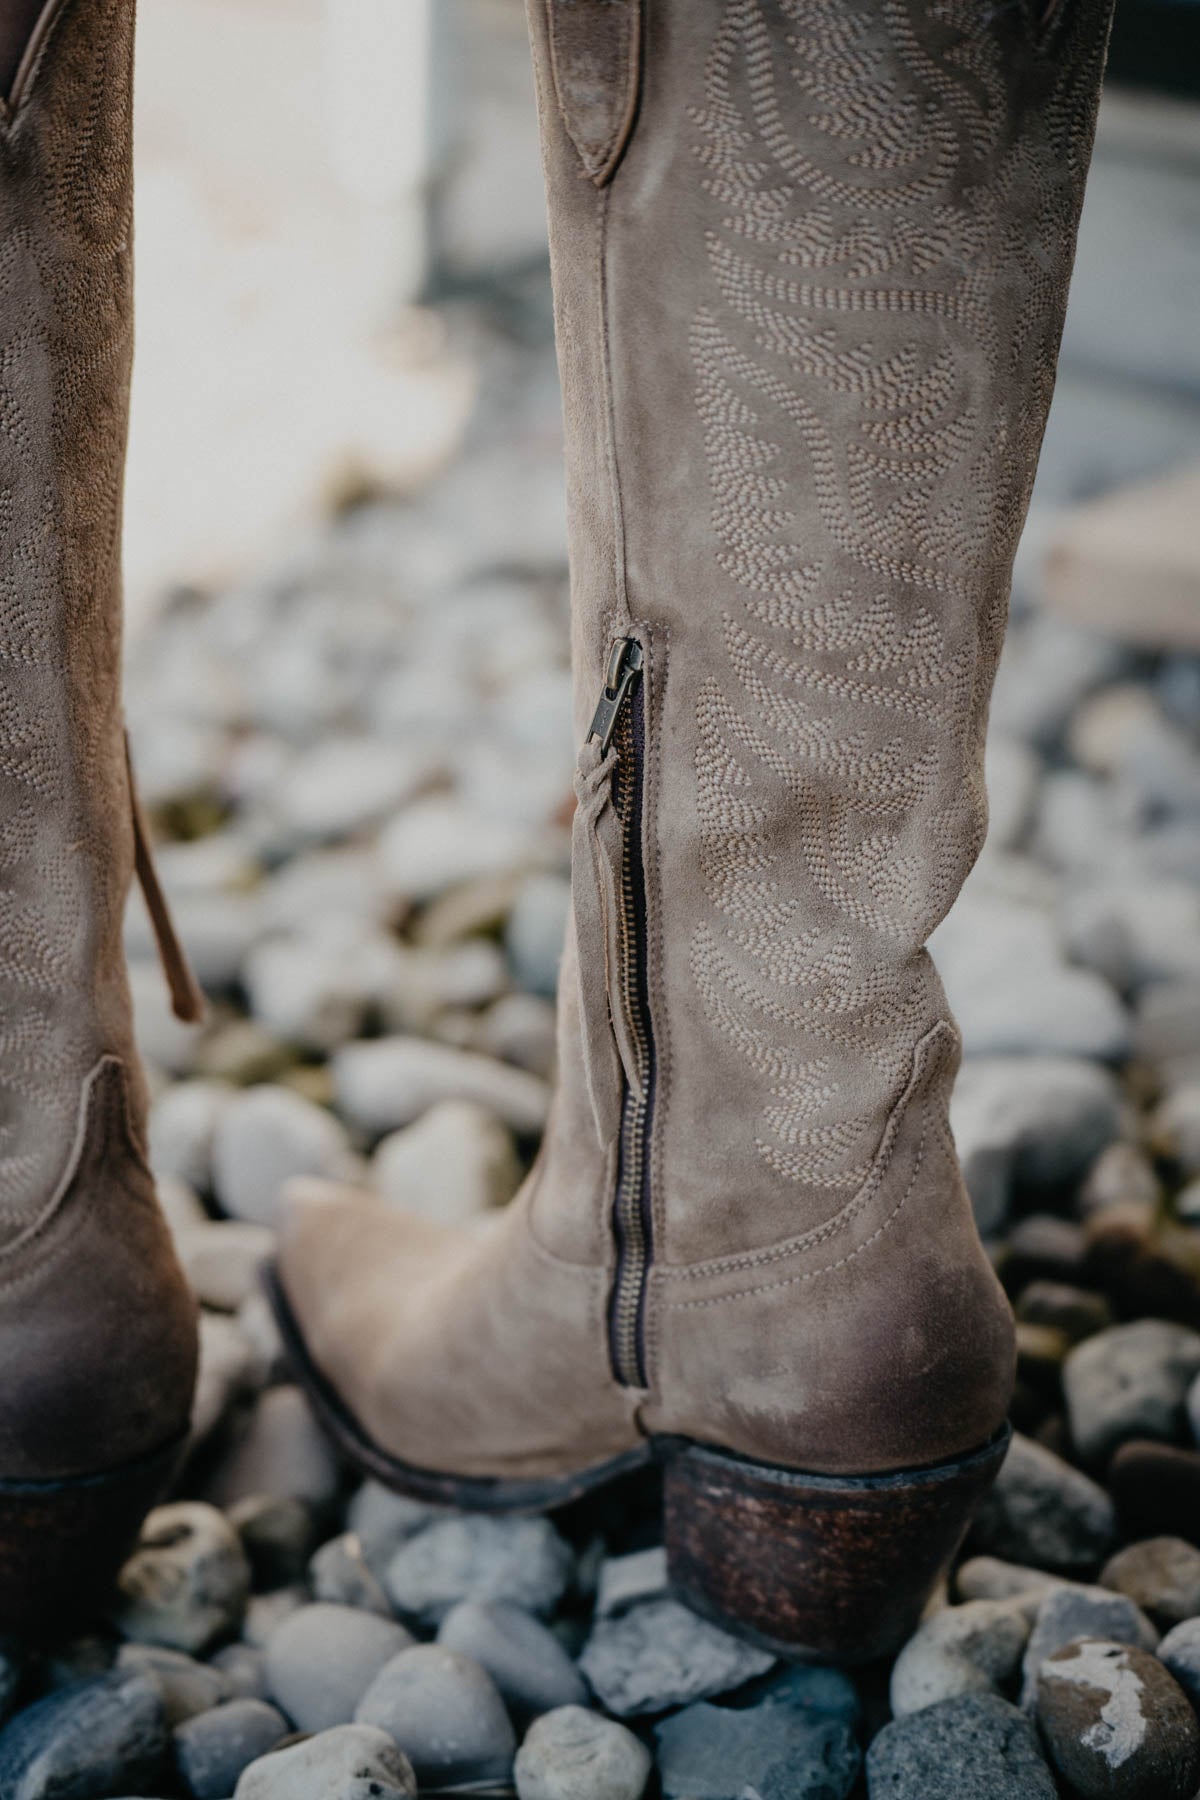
(827, 1567)
(62, 1542)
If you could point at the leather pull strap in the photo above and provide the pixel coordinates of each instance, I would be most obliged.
(187, 1002)
(595, 56)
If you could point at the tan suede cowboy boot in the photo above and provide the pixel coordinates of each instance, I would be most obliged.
(97, 1328)
(811, 260)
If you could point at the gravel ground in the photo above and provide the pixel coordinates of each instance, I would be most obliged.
(359, 767)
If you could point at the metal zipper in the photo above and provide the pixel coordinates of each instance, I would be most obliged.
(620, 718)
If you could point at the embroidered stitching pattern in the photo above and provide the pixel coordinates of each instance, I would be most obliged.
(65, 287)
(892, 214)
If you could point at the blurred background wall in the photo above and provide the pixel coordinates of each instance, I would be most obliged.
(307, 169)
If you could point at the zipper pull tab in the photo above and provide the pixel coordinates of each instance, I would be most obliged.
(624, 667)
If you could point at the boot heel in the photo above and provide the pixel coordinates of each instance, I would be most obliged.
(831, 1567)
(62, 1542)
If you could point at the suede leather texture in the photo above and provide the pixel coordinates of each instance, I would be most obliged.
(808, 323)
(96, 1325)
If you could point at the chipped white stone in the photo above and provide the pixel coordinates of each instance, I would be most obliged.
(1120, 1731)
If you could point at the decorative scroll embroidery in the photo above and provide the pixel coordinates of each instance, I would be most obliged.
(65, 308)
(892, 193)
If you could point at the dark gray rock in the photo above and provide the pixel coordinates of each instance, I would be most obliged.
(1179, 1652)
(475, 1557)
(573, 1754)
(323, 1658)
(351, 1762)
(1074, 1612)
(777, 1752)
(446, 1713)
(1042, 1511)
(976, 1747)
(212, 1750)
(1117, 1726)
(523, 1657)
(1130, 1382)
(1161, 1575)
(187, 1687)
(1074, 1312)
(106, 1735)
(659, 1654)
(185, 1586)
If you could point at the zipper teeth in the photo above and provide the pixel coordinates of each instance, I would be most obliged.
(629, 1218)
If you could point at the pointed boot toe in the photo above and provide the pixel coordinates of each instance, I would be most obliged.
(504, 1402)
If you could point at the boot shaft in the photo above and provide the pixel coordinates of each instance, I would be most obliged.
(811, 264)
(66, 841)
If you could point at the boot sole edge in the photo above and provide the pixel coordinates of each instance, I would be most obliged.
(63, 1539)
(808, 1566)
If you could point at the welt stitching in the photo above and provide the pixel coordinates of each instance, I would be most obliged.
(767, 1287)
(74, 1208)
(811, 1240)
(39, 1228)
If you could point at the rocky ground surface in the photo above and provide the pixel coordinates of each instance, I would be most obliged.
(359, 769)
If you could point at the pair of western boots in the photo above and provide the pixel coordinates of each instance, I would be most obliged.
(810, 261)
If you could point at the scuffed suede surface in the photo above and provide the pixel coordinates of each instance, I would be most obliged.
(595, 54)
(97, 1324)
(808, 314)
(473, 1351)
(97, 1331)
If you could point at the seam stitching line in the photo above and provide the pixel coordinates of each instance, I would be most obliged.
(767, 1287)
